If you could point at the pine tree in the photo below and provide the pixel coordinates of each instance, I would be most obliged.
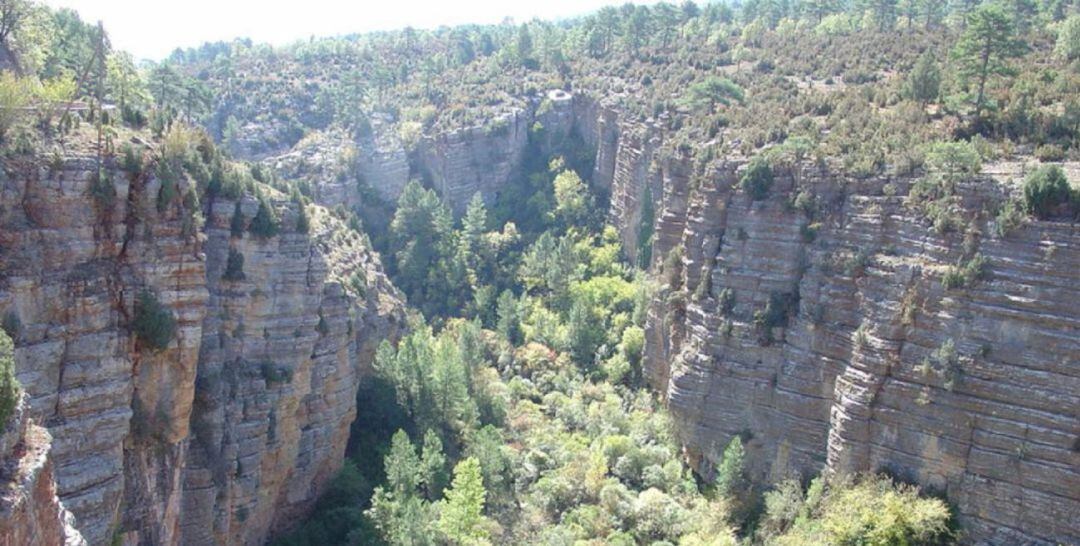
(265, 222)
(303, 224)
(731, 476)
(985, 47)
(1068, 41)
(924, 82)
(473, 226)
(234, 266)
(432, 465)
(584, 332)
(421, 229)
(461, 518)
(508, 310)
(9, 386)
(884, 12)
(524, 44)
(402, 466)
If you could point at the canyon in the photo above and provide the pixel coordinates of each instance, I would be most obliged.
(852, 380)
(229, 434)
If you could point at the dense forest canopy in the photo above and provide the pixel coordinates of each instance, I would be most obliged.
(515, 411)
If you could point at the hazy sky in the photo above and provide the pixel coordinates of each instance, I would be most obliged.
(153, 28)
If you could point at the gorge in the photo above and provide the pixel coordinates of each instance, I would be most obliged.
(837, 319)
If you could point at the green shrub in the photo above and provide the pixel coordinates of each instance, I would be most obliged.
(154, 323)
(303, 224)
(132, 162)
(322, 327)
(234, 266)
(966, 274)
(1068, 40)
(236, 225)
(1045, 190)
(757, 179)
(9, 386)
(272, 373)
(1009, 217)
(726, 299)
(14, 95)
(872, 511)
(103, 190)
(166, 194)
(265, 222)
(11, 324)
(1050, 152)
(776, 313)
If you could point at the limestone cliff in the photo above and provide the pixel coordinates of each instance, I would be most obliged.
(868, 363)
(281, 357)
(270, 364)
(30, 512)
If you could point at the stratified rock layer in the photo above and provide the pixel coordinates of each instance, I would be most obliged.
(150, 445)
(280, 361)
(859, 378)
(849, 377)
(30, 512)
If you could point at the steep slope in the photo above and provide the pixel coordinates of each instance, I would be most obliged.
(281, 357)
(76, 256)
(858, 380)
(30, 512)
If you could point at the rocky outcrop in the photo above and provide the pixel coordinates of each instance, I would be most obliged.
(30, 512)
(820, 329)
(347, 171)
(142, 437)
(280, 361)
(75, 257)
(480, 159)
(825, 337)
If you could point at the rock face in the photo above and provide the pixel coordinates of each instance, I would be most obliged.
(866, 361)
(30, 512)
(870, 363)
(348, 171)
(471, 160)
(135, 453)
(281, 357)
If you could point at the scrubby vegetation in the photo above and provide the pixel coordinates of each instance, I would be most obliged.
(9, 386)
(153, 323)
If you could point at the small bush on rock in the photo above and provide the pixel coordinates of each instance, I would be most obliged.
(154, 324)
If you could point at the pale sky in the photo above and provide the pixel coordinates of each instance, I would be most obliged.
(153, 28)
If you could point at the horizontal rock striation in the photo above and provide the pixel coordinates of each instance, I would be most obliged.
(74, 260)
(821, 331)
(280, 361)
(30, 512)
(136, 451)
(828, 340)
(480, 159)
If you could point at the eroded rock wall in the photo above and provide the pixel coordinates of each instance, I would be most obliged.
(856, 380)
(30, 512)
(279, 367)
(72, 267)
(480, 159)
(246, 413)
(852, 377)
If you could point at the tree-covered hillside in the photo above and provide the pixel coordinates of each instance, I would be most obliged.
(865, 84)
